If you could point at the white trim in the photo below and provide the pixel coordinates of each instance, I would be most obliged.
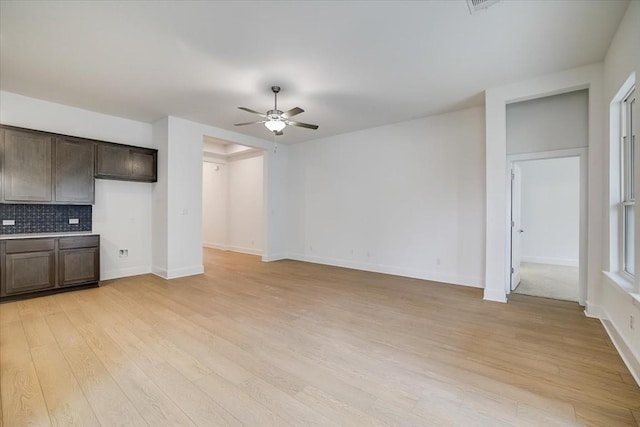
(496, 255)
(185, 271)
(274, 257)
(593, 311)
(453, 279)
(549, 154)
(494, 295)
(159, 271)
(583, 155)
(212, 245)
(632, 363)
(621, 283)
(568, 262)
(178, 272)
(250, 251)
(125, 272)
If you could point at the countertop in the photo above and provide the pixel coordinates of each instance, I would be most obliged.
(45, 235)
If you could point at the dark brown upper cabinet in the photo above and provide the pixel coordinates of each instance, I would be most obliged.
(26, 166)
(43, 167)
(127, 163)
(74, 182)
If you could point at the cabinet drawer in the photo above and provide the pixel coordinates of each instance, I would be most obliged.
(79, 242)
(29, 245)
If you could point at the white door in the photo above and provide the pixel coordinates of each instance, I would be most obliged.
(516, 224)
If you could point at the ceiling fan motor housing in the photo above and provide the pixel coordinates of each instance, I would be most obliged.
(274, 114)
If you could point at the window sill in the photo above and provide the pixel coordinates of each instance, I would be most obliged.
(624, 285)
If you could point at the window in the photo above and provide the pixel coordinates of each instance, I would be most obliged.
(628, 133)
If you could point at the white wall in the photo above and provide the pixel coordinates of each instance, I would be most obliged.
(215, 188)
(233, 201)
(550, 207)
(549, 123)
(404, 199)
(122, 210)
(245, 205)
(617, 301)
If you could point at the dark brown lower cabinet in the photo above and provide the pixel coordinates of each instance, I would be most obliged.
(79, 266)
(30, 272)
(30, 267)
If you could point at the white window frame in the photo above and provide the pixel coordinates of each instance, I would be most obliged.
(628, 166)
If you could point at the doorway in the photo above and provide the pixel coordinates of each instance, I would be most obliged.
(546, 225)
(232, 197)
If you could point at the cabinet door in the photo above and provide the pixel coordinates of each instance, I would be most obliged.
(74, 182)
(143, 165)
(28, 272)
(112, 161)
(79, 266)
(1, 163)
(27, 167)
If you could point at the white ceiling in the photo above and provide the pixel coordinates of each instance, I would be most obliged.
(350, 65)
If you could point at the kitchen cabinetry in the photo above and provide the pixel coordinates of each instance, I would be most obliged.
(37, 266)
(41, 167)
(74, 182)
(26, 166)
(79, 260)
(29, 265)
(122, 162)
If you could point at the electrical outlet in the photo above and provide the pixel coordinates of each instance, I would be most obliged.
(74, 221)
(123, 253)
(8, 222)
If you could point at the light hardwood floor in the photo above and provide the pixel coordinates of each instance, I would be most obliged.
(290, 343)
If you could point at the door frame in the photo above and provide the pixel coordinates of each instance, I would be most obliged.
(515, 178)
(582, 154)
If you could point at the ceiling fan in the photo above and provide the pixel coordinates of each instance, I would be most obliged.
(275, 120)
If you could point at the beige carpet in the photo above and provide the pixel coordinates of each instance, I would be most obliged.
(549, 281)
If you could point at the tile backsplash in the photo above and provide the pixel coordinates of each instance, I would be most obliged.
(44, 218)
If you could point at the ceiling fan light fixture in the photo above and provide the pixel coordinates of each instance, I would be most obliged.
(275, 125)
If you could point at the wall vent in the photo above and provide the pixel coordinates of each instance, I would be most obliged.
(478, 5)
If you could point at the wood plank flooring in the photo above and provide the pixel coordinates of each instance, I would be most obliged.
(291, 343)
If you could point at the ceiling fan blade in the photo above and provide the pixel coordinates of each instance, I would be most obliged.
(292, 112)
(249, 123)
(302, 125)
(249, 110)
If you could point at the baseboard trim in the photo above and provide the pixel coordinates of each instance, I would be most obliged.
(249, 251)
(215, 246)
(594, 311)
(185, 271)
(623, 349)
(452, 279)
(160, 272)
(494, 295)
(125, 272)
(275, 257)
(567, 262)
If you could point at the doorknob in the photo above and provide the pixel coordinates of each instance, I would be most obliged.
(521, 231)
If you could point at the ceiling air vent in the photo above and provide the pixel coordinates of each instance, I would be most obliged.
(477, 5)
